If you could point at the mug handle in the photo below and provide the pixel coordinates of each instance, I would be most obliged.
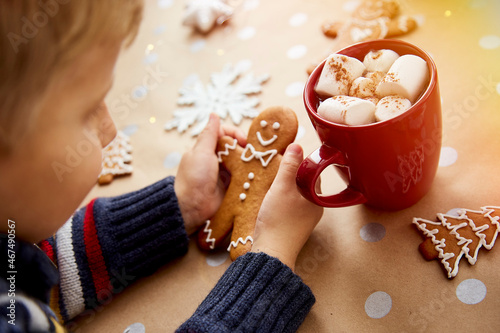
(311, 168)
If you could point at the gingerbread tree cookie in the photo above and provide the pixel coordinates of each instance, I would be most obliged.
(116, 159)
(372, 19)
(253, 169)
(452, 237)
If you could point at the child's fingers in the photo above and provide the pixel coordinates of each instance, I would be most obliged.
(214, 130)
(292, 158)
(289, 164)
(234, 132)
(207, 140)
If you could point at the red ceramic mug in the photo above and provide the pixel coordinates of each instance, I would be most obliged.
(388, 165)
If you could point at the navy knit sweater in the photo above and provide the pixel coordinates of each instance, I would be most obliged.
(111, 243)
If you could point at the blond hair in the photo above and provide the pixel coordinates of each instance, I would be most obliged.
(41, 37)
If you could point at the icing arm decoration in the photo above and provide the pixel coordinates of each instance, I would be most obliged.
(240, 240)
(208, 231)
(227, 146)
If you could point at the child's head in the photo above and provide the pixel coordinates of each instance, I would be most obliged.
(56, 66)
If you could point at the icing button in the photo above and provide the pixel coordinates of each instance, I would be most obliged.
(243, 196)
(251, 176)
(246, 186)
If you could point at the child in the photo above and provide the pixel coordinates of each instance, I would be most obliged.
(56, 65)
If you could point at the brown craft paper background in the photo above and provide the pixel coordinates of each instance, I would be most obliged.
(342, 269)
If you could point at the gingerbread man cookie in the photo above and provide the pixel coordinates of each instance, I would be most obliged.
(253, 169)
(372, 19)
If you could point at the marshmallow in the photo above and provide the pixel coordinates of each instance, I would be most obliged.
(375, 76)
(347, 110)
(380, 60)
(337, 75)
(407, 77)
(390, 107)
(362, 87)
(372, 99)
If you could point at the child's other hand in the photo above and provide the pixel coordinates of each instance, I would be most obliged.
(285, 219)
(198, 186)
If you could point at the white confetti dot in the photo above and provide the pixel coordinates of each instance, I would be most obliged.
(454, 212)
(197, 46)
(448, 156)
(300, 132)
(135, 328)
(172, 160)
(378, 305)
(150, 58)
(246, 33)
(251, 4)
(471, 291)
(159, 30)
(130, 129)
(372, 232)
(217, 258)
(296, 52)
(139, 93)
(295, 89)
(489, 42)
(477, 4)
(297, 19)
(164, 4)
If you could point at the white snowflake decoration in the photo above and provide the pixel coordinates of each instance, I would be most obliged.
(221, 96)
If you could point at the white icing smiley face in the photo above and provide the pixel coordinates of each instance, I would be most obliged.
(262, 141)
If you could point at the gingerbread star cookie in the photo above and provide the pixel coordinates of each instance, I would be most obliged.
(253, 169)
(116, 159)
(452, 237)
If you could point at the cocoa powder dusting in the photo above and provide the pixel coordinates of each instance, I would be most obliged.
(338, 70)
(355, 92)
(391, 77)
(376, 54)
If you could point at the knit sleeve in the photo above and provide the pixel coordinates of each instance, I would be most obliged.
(257, 293)
(112, 242)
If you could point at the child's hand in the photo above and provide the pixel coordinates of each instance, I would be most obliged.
(198, 186)
(285, 219)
